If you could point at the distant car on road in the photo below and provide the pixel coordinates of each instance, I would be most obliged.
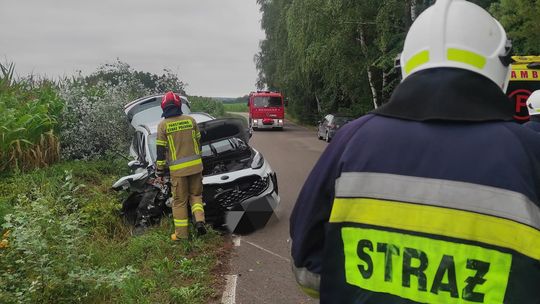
(329, 125)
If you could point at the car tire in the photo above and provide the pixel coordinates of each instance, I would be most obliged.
(327, 138)
(319, 137)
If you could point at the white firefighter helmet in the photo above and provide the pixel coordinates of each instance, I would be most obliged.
(533, 103)
(458, 34)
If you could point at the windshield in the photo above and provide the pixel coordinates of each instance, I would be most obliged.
(267, 102)
(215, 148)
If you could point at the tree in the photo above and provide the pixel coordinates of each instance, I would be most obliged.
(339, 55)
(520, 19)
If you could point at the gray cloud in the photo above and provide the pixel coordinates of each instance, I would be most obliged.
(209, 43)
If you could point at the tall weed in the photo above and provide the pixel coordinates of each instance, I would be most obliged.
(30, 109)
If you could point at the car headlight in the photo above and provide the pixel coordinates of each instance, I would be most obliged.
(258, 161)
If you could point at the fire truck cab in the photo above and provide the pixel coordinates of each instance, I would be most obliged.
(266, 110)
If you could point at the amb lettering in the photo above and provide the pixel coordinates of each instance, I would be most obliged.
(414, 263)
(525, 75)
(423, 269)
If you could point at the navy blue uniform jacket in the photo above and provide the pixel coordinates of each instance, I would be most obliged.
(447, 128)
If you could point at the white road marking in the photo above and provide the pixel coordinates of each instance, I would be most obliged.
(229, 295)
(236, 240)
(268, 251)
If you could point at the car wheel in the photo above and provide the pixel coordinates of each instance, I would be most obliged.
(319, 135)
(327, 138)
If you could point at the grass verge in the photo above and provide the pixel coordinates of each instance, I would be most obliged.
(66, 243)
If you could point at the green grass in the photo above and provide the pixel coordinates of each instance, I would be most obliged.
(161, 271)
(167, 272)
(236, 107)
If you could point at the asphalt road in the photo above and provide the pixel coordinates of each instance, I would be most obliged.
(261, 262)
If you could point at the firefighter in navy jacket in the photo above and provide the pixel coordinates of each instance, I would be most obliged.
(434, 197)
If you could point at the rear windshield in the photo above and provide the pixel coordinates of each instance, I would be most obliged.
(266, 102)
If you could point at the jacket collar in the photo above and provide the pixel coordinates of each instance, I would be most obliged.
(448, 94)
(171, 111)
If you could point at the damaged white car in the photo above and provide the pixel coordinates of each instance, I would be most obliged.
(240, 190)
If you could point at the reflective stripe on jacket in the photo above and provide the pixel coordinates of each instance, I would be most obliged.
(180, 137)
(399, 211)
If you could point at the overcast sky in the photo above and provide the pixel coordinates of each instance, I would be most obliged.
(210, 44)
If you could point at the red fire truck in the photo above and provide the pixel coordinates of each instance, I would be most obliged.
(266, 110)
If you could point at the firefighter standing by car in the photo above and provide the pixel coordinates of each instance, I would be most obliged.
(434, 197)
(178, 146)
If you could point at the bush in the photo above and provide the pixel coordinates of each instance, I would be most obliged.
(207, 105)
(94, 122)
(45, 261)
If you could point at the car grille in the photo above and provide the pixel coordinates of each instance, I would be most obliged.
(231, 194)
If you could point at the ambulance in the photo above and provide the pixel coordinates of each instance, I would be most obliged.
(525, 79)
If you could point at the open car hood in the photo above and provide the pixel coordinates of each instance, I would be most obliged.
(219, 129)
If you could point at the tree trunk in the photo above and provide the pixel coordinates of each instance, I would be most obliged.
(372, 86)
(319, 109)
(364, 47)
(384, 94)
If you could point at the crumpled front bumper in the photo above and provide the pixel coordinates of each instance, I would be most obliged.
(244, 204)
(254, 213)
